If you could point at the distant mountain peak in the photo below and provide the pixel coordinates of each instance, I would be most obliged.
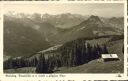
(116, 19)
(93, 21)
(93, 18)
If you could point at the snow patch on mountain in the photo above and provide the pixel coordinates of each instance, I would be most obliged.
(81, 28)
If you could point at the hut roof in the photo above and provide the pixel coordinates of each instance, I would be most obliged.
(109, 56)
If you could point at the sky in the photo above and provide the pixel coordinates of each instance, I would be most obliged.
(99, 9)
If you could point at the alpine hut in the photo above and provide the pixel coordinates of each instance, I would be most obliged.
(109, 57)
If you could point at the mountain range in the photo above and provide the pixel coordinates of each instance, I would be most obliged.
(27, 34)
(57, 42)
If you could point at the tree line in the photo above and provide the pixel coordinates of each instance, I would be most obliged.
(71, 54)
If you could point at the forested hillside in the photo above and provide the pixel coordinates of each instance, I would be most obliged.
(71, 54)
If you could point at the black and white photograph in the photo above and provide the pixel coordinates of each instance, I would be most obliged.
(63, 38)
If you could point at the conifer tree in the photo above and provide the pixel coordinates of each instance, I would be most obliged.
(42, 65)
(105, 50)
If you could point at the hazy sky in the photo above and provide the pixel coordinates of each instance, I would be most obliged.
(99, 9)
